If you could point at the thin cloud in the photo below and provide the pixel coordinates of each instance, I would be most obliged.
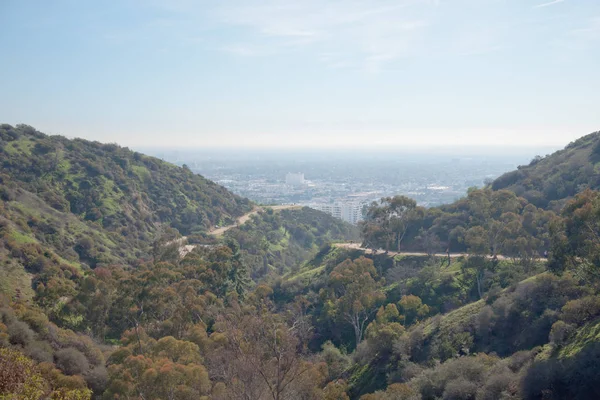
(355, 33)
(589, 32)
(550, 3)
(241, 50)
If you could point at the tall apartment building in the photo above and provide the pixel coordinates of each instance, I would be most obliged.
(294, 179)
(348, 211)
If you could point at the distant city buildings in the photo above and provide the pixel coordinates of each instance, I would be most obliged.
(295, 179)
(284, 178)
(347, 211)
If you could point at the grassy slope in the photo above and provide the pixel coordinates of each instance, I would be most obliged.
(57, 193)
(586, 335)
(112, 185)
(283, 241)
(557, 177)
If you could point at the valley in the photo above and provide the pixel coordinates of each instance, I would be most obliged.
(123, 276)
(300, 200)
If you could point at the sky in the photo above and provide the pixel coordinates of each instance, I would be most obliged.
(303, 73)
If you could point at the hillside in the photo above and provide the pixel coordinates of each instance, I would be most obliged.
(520, 339)
(277, 242)
(97, 300)
(89, 237)
(548, 181)
(122, 191)
(93, 203)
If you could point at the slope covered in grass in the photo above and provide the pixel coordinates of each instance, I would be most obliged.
(549, 181)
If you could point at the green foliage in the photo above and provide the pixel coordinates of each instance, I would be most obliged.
(22, 378)
(574, 377)
(353, 294)
(548, 182)
(575, 240)
(484, 223)
(18, 377)
(280, 242)
(389, 221)
(90, 240)
(124, 195)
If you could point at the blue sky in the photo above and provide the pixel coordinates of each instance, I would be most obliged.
(303, 73)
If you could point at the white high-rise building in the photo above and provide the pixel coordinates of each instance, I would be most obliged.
(348, 211)
(294, 179)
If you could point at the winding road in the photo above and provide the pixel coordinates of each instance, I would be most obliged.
(244, 218)
(184, 249)
(357, 246)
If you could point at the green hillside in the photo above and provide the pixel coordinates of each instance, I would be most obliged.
(99, 301)
(548, 181)
(92, 203)
(117, 189)
(274, 243)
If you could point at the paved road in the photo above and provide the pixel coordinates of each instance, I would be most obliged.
(357, 246)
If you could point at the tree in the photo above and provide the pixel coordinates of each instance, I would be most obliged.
(258, 357)
(169, 369)
(355, 293)
(22, 379)
(477, 241)
(390, 219)
(412, 309)
(575, 238)
(165, 246)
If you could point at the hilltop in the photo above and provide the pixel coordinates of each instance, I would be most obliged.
(549, 181)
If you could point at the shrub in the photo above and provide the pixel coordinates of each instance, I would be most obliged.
(455, 378)
(337, 362)
(20, 334)
(520, 358)
(7, 316)
(581, 310)
(39, 351)
(18, 377)
(71, 361)
(570, 378)
(460, 389)
(97, 378)
(560, 331)
(498, 383)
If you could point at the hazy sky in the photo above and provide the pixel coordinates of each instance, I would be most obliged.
(303, 72)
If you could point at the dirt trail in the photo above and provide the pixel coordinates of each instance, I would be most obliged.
(244, 218)
(357, 246)
(241, 220)
(184, 249)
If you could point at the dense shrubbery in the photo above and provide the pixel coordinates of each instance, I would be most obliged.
(97, 204)
(551, 180)
(279, 242)
(485, 222)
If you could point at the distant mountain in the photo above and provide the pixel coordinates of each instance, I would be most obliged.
(549, 181)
